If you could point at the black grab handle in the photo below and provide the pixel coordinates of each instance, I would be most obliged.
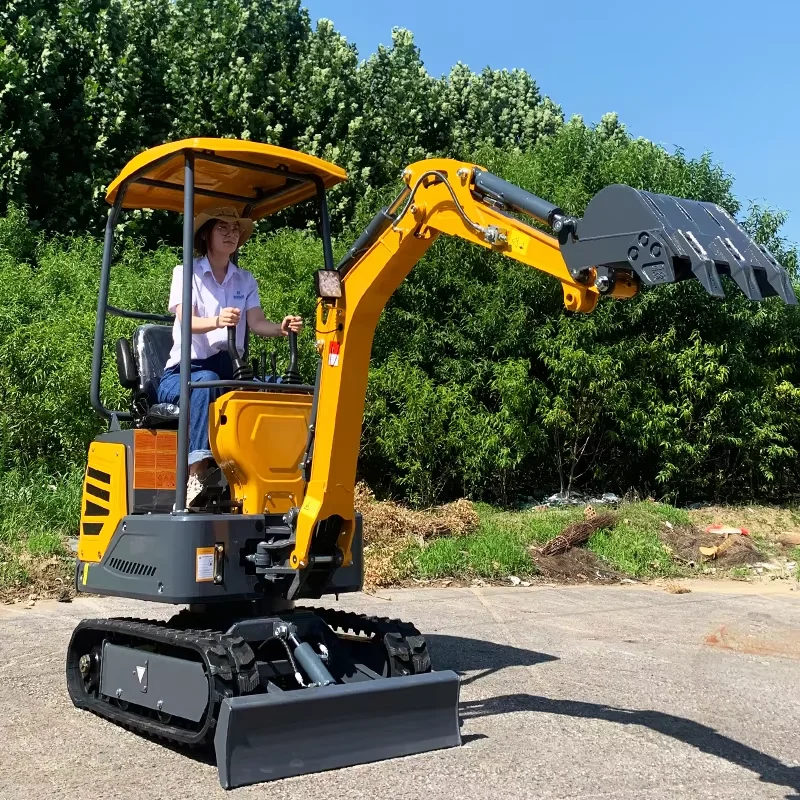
(292, 375)
(241, 370)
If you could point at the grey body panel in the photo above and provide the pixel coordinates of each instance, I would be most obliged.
(154, 557)
(163, 683)
(281, 734)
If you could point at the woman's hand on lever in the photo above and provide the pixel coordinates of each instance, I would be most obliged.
(228, 317)
(291, 323)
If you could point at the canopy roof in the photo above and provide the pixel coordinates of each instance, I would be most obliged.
(258, 179)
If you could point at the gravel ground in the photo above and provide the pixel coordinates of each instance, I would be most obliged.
(623, 692)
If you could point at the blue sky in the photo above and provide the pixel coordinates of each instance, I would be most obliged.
(697, 74)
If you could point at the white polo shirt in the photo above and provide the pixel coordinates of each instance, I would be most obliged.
(237, 290)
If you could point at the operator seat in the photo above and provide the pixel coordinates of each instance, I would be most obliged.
(140, 368)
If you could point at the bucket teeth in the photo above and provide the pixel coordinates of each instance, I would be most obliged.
(666, 239)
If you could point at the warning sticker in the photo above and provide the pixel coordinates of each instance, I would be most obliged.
(518, 242)
(333, 354)
(204, 570)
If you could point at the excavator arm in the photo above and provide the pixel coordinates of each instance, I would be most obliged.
(626, 239)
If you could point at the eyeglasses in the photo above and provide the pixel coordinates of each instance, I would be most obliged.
(226, 228)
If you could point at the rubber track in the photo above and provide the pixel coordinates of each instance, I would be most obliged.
(231, 662)
(228, 659)
(405, 645)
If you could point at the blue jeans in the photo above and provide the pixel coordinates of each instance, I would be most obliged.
(214, 368)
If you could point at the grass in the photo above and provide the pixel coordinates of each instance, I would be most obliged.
(740, 573)
(633, 546)
(37, 513)
(493, 551)
(795, 556)
(501, 545)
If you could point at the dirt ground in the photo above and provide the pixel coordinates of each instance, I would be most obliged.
(778, 526)
(764, 555)
(49, 578)
(575, 566)
(685, 543)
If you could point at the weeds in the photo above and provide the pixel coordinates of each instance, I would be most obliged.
(795, 556)
(505, 543)
(493, 551)
(461, 540)
(37, 513)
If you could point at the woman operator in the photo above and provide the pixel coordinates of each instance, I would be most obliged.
(223, 295)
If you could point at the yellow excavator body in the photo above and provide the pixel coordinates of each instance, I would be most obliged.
(279, 689)
(258, 440)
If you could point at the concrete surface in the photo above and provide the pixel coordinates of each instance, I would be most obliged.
(568, 692)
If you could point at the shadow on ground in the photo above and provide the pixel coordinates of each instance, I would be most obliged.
(484, 658)
(704, 738)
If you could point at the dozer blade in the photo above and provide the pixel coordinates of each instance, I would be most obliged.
(665, 239)
(275, 735)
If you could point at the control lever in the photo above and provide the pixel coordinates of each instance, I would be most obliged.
(241, 370)
(292, 375)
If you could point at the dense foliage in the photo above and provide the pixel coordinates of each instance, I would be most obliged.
(86, 84)
(480, 383)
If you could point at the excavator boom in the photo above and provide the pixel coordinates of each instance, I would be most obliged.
(281, 689)
(627, 239)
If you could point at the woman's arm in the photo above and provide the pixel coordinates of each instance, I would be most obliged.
(228, 316)
(261, 326)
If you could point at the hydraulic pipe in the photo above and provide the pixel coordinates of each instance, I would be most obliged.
(515, 197)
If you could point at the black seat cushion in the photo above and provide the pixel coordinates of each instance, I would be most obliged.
(151, 347)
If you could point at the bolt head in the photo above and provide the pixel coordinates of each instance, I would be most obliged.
(602, 284)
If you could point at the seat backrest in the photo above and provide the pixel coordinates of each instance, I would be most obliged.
(151, 347)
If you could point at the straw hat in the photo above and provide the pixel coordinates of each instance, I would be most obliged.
(229, 214)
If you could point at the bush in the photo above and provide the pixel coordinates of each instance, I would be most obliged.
(480, 383)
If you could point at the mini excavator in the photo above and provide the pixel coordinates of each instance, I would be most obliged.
(278, 686)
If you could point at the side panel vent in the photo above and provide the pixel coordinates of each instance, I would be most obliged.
(131, 567)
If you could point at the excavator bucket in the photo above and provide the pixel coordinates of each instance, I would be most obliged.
(275, 735)
(665, 239)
